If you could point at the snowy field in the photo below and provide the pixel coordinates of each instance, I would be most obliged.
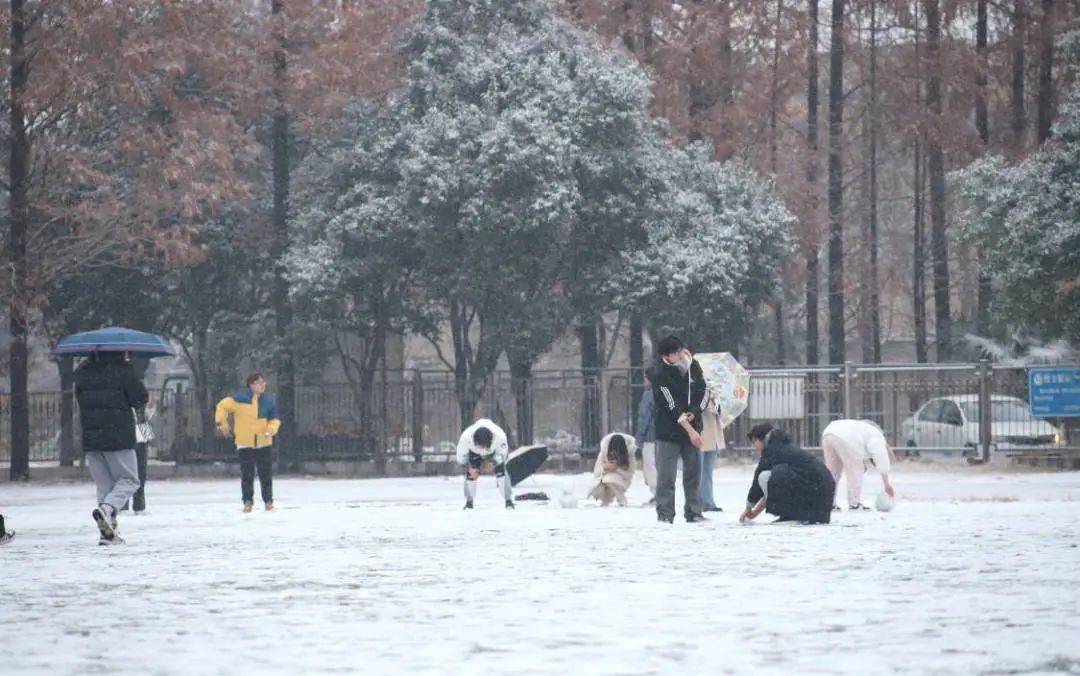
(974, 572)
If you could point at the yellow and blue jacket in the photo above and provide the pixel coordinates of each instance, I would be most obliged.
(254, 421)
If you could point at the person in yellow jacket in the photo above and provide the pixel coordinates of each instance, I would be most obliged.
(254, 423)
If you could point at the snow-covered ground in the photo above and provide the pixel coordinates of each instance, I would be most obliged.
(975, 571)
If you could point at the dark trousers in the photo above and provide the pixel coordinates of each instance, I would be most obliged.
(252, 460)
(138, 501)
(668, 454)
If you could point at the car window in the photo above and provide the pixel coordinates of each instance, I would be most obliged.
(950, 413)
(1000, 411)
(931, 412)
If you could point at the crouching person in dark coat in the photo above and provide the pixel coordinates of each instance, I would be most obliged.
(109, 392)
(788, 482)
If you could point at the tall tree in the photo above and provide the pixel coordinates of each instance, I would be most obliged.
(280, 148)
(871, 297)
(107, 155)
(18, 216)
(1018, 119)
(935, 156)
(774, 143)
(982, 125)
(837, 328)
(918, 255)
(1045, 104)
(812, 170)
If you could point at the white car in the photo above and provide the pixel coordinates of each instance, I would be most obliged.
(953, 423)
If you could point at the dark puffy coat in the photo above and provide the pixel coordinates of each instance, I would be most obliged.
(800, 488)
(675, 393)
(108, 390)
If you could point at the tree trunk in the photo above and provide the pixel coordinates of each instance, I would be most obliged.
(837, 334)
(66, 367)
(18, 215)
(873, 275)
(1018, 67)
(982, 124)
(774, 96)
(982, 115)
(812, 171)
(1046, 71)
(637, 364)
(279, 244)
(936, 170)
(521, 380)
(590, 372)
(919, 263)
(778, 318)
(202, 384)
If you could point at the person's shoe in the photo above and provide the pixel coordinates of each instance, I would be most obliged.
(114, 540)
(6, 537)
(859, 507)
(468, 504)
(510, 504)
(105, 517)
(783, 519)
(695, 518)
(836, 508)
(714, 508)
(270, 506)
(668, 519)
(248, 507)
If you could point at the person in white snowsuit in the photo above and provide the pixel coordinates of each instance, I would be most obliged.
(482, 441)
(851, 447)
(614, 469)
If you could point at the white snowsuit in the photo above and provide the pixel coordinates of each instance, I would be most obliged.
(612, 485)
(849, 445)
(471, 456)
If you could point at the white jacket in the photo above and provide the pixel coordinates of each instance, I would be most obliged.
(866, 436)
(499, 447)
(619, 477)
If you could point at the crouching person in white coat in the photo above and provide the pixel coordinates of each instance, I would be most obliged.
(483, 441)
(614, 470)
(851, 446)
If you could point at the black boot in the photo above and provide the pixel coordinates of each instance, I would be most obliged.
(468, 504)
(510, 504)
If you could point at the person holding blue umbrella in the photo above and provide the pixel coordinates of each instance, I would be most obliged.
(109, 393)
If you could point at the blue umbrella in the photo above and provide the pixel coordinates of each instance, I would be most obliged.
(114, 339)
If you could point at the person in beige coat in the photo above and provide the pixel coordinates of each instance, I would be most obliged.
(712, 440)
(614, 469)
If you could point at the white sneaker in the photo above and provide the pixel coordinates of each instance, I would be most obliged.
(105, 517)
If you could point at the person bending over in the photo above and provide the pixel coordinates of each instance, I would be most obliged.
(851, 447)
(482, 442)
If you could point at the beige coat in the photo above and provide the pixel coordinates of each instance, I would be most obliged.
(616, 482)
(712, 434)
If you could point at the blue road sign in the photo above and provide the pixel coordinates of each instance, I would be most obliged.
(1054, 392)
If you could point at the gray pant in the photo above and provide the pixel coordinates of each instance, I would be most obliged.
(116, 474)
(668, 454)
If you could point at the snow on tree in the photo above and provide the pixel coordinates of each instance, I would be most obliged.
(715, 242)
(1027, 220)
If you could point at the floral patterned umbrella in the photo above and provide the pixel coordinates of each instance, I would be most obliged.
(729, 383)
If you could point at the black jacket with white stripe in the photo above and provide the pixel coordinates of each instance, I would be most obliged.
(675, 393)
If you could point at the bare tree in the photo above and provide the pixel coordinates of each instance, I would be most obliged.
(812, 172)
(837, 332)
(939, 243)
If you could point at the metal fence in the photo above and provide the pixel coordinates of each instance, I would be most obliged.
(963, 410)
